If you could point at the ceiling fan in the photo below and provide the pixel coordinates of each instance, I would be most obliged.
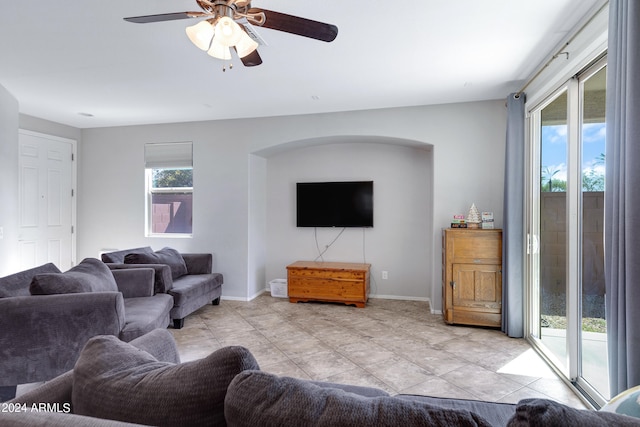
(228, 25)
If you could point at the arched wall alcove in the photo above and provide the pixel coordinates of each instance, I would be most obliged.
(400, 242)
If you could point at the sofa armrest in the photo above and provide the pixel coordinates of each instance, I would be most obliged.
(198, 263)
(58, 390)
(135, 282)
(41, 336)
(163, 281)
(160, 344)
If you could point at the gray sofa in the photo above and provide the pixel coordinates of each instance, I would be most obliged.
(187, 277)
(46, 316)
(142, 383)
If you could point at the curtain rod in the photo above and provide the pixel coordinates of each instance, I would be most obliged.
(560, 51)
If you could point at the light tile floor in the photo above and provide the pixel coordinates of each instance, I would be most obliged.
(398, 346)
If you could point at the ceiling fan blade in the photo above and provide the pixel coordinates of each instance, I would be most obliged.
(252, 59)
(164, 17)
(296, 25)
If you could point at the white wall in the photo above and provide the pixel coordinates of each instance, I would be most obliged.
(8, 182)
(111, 187)
(468, 163)
(47, 127)
(399, 242)
(256, 251)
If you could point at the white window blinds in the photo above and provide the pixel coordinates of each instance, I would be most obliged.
(168, 155)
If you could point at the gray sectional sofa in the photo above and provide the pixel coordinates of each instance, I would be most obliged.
(46, 316)
(187, 277)
(142, 383)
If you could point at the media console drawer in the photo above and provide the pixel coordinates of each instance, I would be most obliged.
(328, 281)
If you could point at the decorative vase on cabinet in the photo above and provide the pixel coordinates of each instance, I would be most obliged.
(472, 277)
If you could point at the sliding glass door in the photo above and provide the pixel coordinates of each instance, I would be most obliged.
(566, 279)
(551, 295)
(593, 333)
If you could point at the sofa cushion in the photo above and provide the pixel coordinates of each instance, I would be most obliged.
(91, 275)
(497, 414)
(167, 256)
(145, 314)
(117, 257)
(543, 412)
(115, 380)
(364, 391)
(258, 398)
(192, 286)
(17, 285)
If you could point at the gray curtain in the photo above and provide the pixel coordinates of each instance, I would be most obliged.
(622, 195)
(513, 220)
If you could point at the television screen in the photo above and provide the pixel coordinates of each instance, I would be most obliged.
(334, 204)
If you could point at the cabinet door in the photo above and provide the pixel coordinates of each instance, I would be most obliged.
(477, 286)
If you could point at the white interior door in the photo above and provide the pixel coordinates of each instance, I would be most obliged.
(46, 211)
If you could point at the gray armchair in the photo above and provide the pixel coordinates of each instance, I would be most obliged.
(41, 336)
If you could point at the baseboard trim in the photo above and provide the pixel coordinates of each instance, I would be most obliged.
(375, 296)
(251, 298)
(229, 298)
(399, 297)
(257, 294)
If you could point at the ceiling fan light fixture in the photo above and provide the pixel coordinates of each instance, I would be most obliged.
(219, 50)
(201, 34)
(228, 32)
(228, 24)
(246, 45)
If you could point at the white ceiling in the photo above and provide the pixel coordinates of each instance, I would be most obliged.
(63, 59)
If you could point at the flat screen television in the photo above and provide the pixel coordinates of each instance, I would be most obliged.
(334, 204)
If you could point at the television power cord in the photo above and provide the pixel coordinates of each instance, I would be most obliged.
(326, 247)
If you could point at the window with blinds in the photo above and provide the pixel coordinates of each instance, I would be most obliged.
(169, 189)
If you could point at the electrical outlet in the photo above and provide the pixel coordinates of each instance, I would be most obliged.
(1, 233)
(385, 274)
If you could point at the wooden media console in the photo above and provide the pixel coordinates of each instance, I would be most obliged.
(342, 282)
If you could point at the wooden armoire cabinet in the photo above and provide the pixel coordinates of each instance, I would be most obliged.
(472, 276)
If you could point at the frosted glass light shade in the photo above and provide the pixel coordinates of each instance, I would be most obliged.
(201, 34)
(228, 32)
(246, 45)
(219, 50)
(217, 39)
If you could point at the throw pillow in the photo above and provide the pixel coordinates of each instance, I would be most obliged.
(91, 275)
(115, 380)
(168, 256)
(117, 257)
(543, 412)
(17, 285)
(258, 398)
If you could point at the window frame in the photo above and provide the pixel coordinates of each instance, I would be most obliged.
(166, 156)
(150, 191)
